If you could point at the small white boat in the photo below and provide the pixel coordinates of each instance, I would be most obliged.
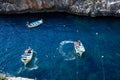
(27, 56)
(34, 24)
(79, 48)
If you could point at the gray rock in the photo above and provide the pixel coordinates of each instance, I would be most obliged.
(79, 7)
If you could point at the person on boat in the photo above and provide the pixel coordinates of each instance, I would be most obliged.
(41, 19)
(23, 56)
(29, 51)
(79, 42)
(27, 23)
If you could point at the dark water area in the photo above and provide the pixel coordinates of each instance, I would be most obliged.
(54, 57)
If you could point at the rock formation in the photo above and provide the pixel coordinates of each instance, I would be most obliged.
(79, 7)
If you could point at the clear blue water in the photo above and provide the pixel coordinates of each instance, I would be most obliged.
(55, 58)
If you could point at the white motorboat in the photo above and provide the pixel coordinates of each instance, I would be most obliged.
(27, 56)
(34, 24)
(79, 48)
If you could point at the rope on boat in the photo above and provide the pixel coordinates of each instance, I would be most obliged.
(103, 70)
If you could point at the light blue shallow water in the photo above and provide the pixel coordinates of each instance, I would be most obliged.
(54, 58)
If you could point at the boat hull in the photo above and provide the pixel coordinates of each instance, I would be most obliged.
(28, 58)
(35, 24)
(79, 48)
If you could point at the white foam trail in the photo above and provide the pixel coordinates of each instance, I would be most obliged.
(65, 55)
(20, 70)
(34, 65)
(66, 42)
(33, 68)
(27, 68)
(71, 58)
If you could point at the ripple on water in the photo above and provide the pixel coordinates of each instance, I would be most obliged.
(67, 55)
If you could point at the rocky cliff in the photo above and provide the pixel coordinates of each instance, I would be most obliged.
(79, 7)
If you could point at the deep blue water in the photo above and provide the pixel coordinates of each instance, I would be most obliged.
(55, 58)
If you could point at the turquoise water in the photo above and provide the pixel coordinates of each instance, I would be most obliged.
(54, 57)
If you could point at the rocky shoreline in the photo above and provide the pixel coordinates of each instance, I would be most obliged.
(5, 77)
(80, 7)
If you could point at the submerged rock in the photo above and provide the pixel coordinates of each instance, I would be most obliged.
(79, 7)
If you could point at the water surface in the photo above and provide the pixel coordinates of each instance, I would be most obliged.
(55, 58)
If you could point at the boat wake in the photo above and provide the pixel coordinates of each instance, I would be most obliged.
(20, 70)
(67, 55)
(34, 66)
